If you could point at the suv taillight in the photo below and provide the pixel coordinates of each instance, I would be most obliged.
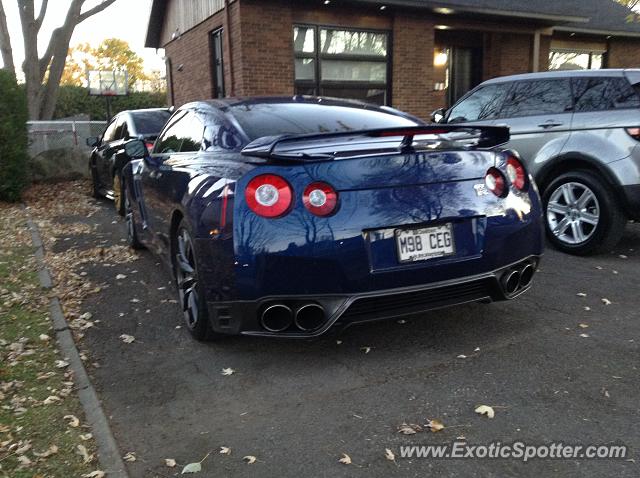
(269, 195)
(634, 133)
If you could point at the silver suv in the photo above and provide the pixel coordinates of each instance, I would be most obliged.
(579, 134)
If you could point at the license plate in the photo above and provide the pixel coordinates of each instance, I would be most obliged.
(427, 243)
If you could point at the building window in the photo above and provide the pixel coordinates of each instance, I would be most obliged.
(217, 63)
(565, 59)
(342, 63)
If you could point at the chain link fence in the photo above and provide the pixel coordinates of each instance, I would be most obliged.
(58, 149)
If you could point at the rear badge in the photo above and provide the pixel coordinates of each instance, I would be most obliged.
(481, 189)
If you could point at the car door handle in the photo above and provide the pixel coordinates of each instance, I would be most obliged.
(550, 124)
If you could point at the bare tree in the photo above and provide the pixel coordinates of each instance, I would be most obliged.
(42, 74)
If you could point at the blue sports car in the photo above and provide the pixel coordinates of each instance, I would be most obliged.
(291, 216)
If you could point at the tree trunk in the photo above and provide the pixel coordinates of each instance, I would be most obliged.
(42, 75)
(5, 43)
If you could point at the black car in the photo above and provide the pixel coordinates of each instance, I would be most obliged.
(108, 157)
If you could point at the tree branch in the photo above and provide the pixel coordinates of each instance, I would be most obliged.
(43, 12)
(5, 43)
(97, 9)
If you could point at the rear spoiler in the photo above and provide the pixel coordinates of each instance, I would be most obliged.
(267, 147)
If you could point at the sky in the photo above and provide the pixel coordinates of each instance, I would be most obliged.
(125, 19)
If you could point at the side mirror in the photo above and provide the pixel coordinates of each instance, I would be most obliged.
(136, 149)
(92, 141)
(438, 115)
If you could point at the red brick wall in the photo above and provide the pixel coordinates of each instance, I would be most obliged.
(266, 49)
(624, 53)
(507, 54)
(413, 75)
(190, 56)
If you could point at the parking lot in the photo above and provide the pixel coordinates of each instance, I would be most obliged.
(558, 365)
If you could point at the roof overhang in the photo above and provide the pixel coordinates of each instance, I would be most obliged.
(589, 31)
(154, 27)
(461, 9)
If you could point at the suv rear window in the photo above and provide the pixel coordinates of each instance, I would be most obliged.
(538, 97)
(599, 94)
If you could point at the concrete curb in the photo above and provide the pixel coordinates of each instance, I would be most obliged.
(108, 453)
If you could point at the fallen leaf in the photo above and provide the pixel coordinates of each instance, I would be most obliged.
(388, 454)
(192, 468)
(585, 336)
(366, 350)
(61, 364)
(94, 474)
(225, 450)
(606, 301)
(121, 276)
(82, 451)
(584, 326)
(461, 356)
(52, 450)
(249, 459)
(44, 337)
(587, 308)
(24, 460)
(86, 436)
(409, 429)
(130, 457)
(485, 410)
(581, 294)
(51, 399)
(170, 462)
(73, 420)
(622, 256)
(345, 460)
(127, 339)
(228, 371)
(435, 425)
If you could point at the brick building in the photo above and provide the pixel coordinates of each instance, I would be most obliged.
(416, 55)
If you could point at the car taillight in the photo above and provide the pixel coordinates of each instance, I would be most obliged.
(149, 145)
(495, 182)
(320, 198)
(516, 173)
(634, 133)
(269, 195)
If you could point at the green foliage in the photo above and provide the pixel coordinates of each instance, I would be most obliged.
(75, 100)
(13, 138)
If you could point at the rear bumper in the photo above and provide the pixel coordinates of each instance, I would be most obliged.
(244, 317)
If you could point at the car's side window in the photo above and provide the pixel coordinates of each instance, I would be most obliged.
(109, 133)
(482, 104)
(601, 94)
(168, 141)
(191, 133)
(125, 129)
(219, 135)
(538, 97)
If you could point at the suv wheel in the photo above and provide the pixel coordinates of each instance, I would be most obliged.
(582, 215)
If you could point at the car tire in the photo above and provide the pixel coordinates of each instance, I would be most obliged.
(582, 214)
(95, 183)
(118, 194)
(190, 291)
(132, 234)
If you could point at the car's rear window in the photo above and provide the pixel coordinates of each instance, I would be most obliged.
(600, 94)
(272, 119)
(150, 122)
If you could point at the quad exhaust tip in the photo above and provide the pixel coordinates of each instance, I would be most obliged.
(309, 317)
(280, 317)
(518, 278)
(277, 318)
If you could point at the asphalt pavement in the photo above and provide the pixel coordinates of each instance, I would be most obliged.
(555, 366)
